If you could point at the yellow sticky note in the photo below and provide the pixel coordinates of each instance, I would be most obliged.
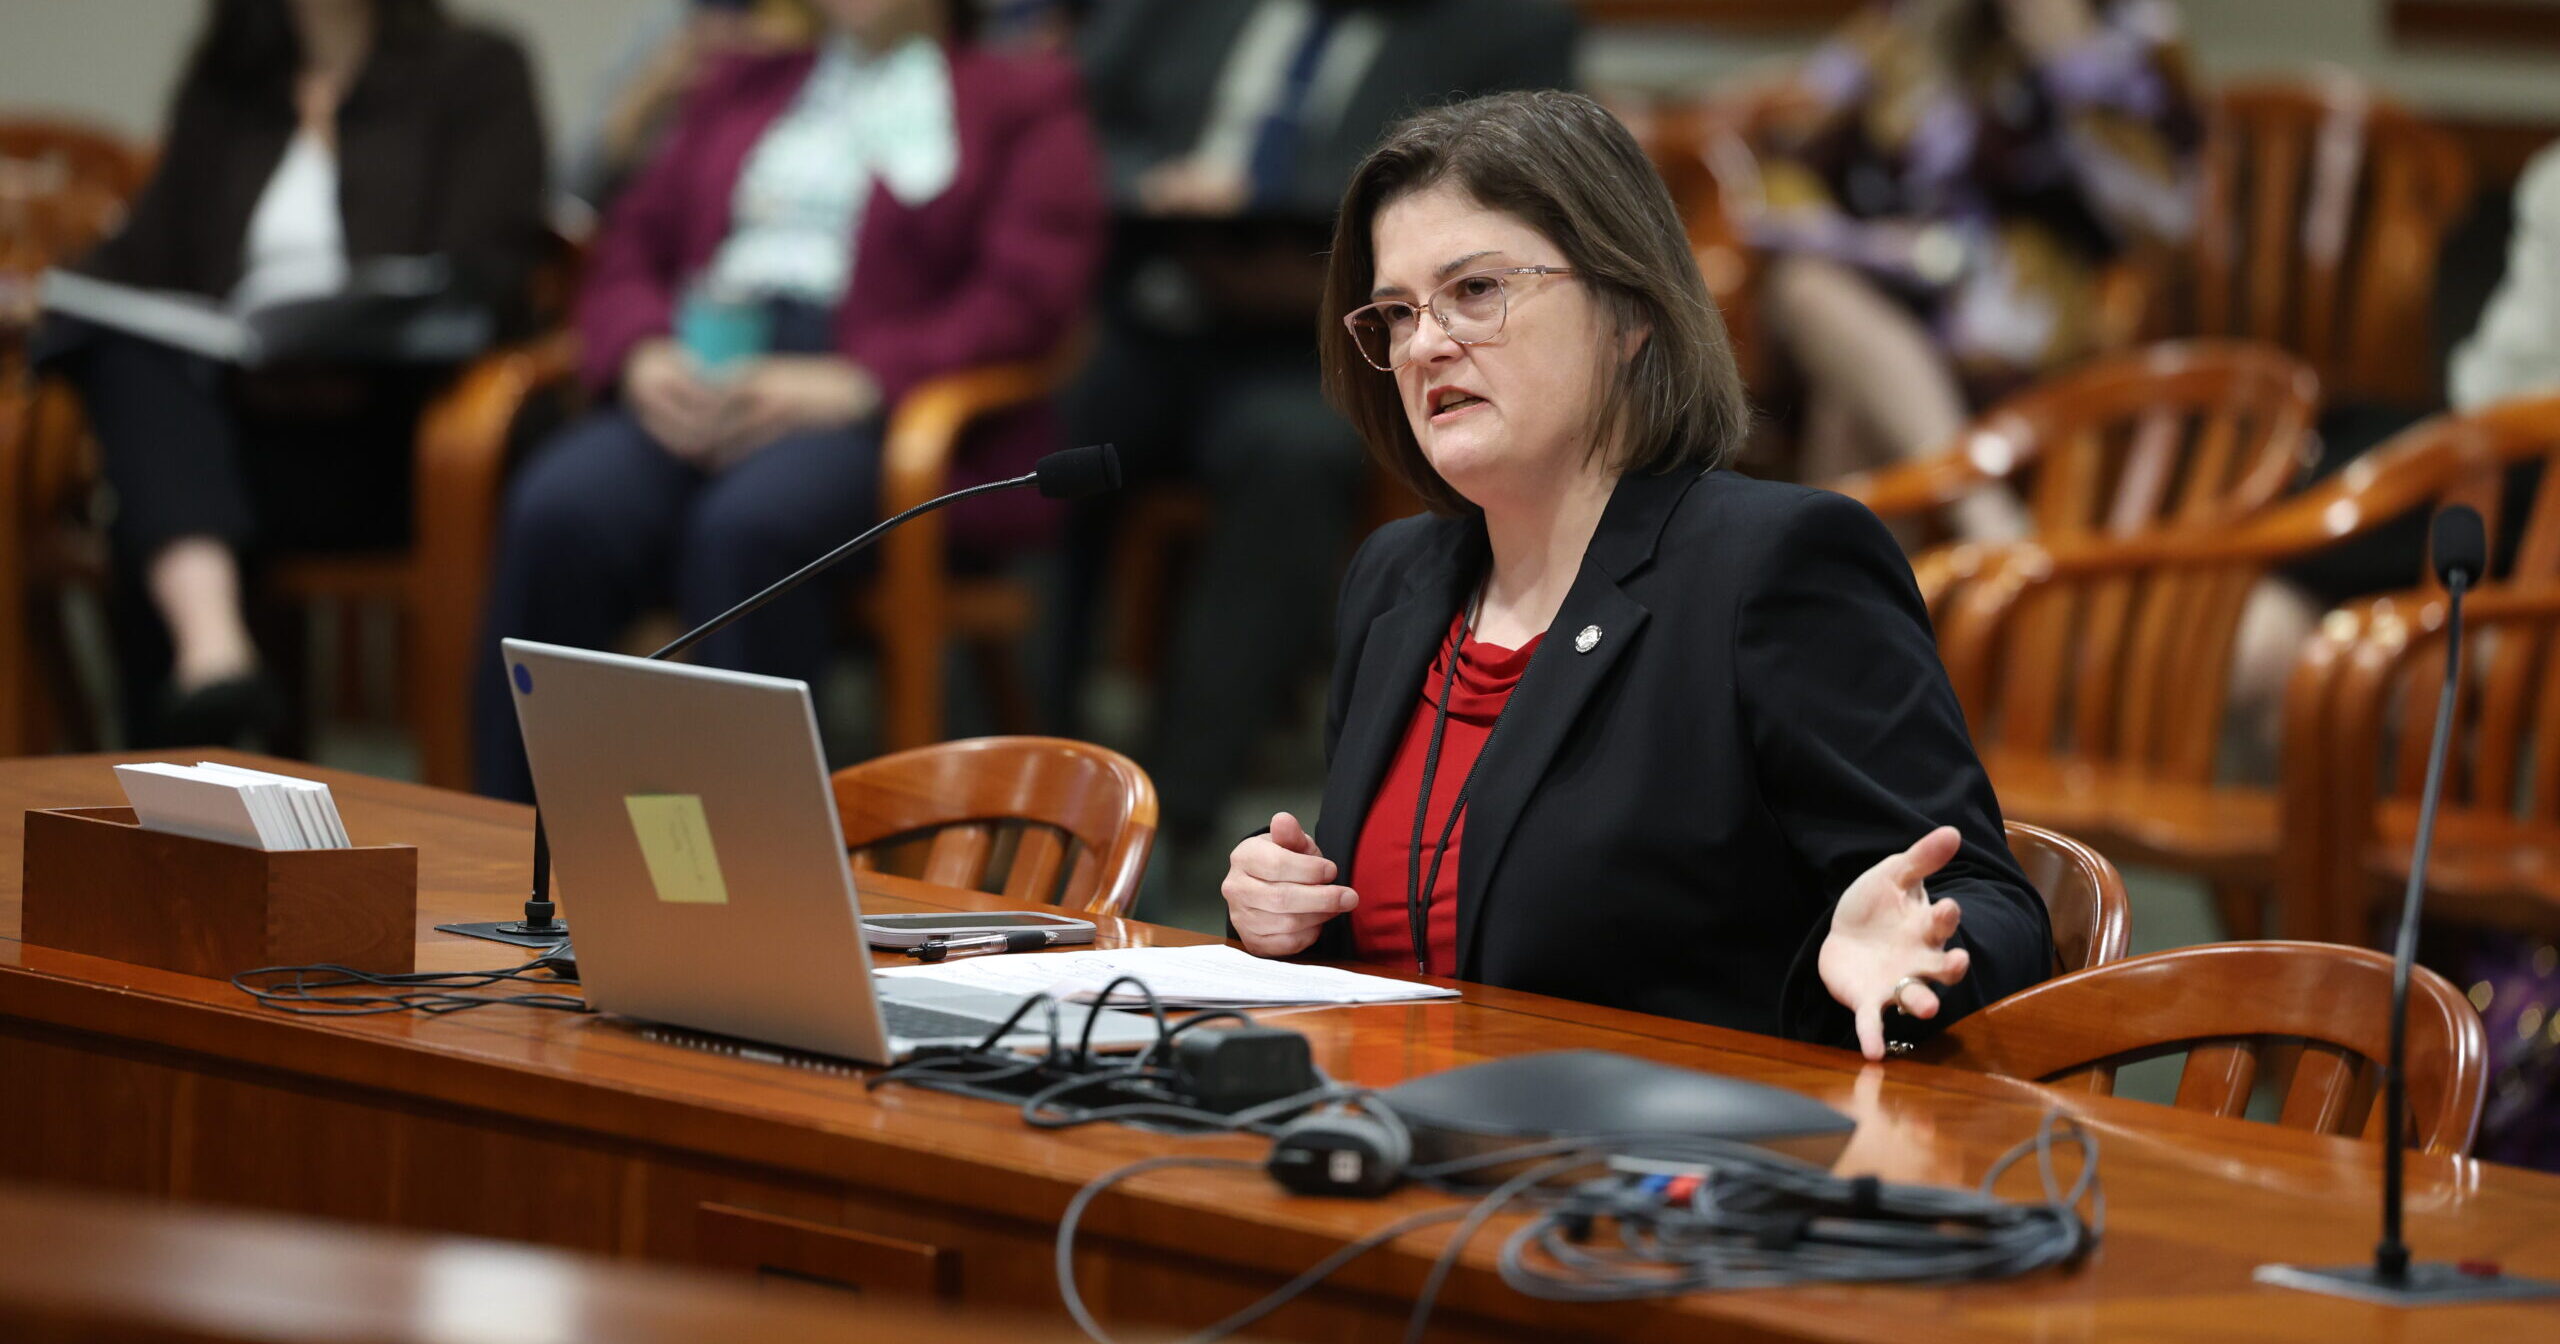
(675, 838)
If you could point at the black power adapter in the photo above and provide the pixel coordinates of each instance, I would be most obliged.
(1228, 1069)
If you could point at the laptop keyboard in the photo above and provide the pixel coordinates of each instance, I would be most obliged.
(918, 1023)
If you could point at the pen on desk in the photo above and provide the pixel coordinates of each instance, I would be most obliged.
(982, 944)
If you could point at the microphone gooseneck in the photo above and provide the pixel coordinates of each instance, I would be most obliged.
(1071, 473)
(2458, 553)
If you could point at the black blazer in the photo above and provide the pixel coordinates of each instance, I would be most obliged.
(1663, 823)
(440, 152)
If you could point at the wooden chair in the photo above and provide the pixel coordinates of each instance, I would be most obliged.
(917, 607)
(2323, 208)
(1065, 823)
(2496, 856)
(63, 186)
(2133, 764)
(2314, 1018)
(2179, 434)
(2083, 894)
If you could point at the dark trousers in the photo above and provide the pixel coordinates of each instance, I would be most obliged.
(1246, 419)
(280, 461)
(602, 524)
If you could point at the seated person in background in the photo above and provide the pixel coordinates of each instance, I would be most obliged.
(821, 232)
(658, 67)
(1611, 723)
(1230, 127)
(308, 137)
(1938, 221)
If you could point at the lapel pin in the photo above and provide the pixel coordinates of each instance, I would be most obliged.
(1588, 640)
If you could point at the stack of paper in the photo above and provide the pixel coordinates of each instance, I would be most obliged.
(236, 806)
(1212, 975)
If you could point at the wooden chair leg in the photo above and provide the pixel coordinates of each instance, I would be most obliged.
(2243, 907)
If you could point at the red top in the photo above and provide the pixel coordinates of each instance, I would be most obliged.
(1380, 928)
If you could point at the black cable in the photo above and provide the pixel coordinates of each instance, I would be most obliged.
(1269, 1303)
(1758, 1218)
(432, 992)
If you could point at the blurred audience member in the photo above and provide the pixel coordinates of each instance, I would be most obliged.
(1940, 218)
(658, 66)
(1046, 25)
(2516, 350)
(308, 139)
(822, 231)
(1231, 128)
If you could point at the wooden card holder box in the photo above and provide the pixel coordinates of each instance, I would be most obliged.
(97, 883)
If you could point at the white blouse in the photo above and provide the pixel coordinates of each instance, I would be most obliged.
(297, 245)
(860, 119)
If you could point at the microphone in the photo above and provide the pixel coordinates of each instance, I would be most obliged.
(1071, 473)
(2459, 554)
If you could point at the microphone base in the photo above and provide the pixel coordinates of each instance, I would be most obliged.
(2428, 1284)
(511, 931)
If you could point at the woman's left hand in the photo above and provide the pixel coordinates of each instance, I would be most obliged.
(781, 394)
(1886, 931)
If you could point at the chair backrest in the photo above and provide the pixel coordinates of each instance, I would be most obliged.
(2083, 895)
(63, 186)
(2314, 1017)
(2511, 728)
(1066, 823)
(2175, 438)
(2501, 788)
(2183, 433)
(2322, 210)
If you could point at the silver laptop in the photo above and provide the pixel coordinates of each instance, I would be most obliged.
(696, 854)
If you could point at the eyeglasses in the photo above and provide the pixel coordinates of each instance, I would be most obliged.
(1471, 308)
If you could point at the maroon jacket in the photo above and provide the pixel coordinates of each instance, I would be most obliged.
(997, 268)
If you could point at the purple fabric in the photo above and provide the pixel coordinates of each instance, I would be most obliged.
(2113, 68)
(999, 267)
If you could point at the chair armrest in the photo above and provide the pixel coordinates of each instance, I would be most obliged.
(462, 445)
(459, 477)
(924, 431)
(1984, 452)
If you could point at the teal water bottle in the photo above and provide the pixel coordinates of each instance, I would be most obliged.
(720, 326)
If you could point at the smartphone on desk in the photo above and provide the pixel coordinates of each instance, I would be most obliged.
(913, 929)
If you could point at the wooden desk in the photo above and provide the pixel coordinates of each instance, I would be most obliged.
(577, 1132)
(93, 1269)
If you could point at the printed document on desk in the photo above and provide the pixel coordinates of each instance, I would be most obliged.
(1212, 975)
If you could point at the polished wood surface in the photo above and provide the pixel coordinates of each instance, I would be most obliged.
(585, 1133)
(2342, 682)
(2496, 857)
(95, 881)
(87, 1269)
(2181, 434)
(2083, 894)
(1071, 823)
(2309, 1020)
(2323, 209)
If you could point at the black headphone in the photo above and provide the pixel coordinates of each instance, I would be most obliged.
(1336, 1151)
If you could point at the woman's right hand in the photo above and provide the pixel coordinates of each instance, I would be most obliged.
(1280, 890)
(673, 402)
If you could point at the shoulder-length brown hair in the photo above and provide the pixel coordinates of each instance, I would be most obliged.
(1561, 164)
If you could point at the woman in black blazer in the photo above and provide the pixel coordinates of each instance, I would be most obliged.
(1699, 757)
(310, 142)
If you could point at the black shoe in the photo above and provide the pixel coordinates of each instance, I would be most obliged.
(226, 713)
